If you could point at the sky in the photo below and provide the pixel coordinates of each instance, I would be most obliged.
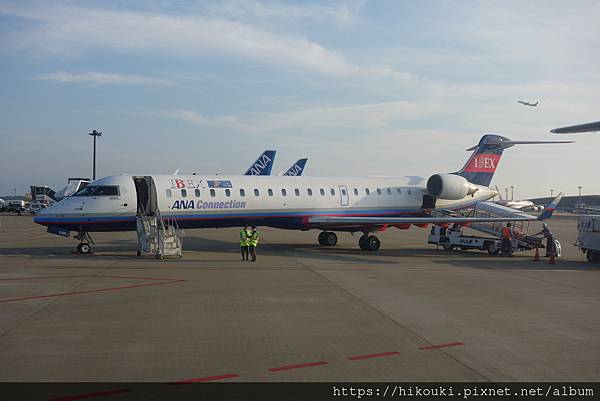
(359, 87)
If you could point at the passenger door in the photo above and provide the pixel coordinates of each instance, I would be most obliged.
(344, 201)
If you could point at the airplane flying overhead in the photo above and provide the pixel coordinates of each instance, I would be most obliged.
(296, 169)
(572, 129)
(263, 165)
(528, 103)
(350, 204)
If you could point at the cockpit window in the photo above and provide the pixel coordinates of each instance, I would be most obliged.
(98, 190)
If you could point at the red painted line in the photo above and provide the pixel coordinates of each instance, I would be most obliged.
(429, 347)
(88, 291)
(90, 275)
(91, 395)
(301, 365)
(206, 379)
(359, 357)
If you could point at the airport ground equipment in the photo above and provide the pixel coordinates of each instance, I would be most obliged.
(454, 237)
(159, 236)
(589, 237)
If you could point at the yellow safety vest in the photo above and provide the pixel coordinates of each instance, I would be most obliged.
(254, 238)
(244, 240)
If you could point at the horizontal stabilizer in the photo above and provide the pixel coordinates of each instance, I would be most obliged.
(588, 127)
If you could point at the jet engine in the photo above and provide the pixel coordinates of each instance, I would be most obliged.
(450, 186)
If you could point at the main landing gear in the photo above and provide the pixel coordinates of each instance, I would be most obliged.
(369, 243)
(86, 244)
(327, 238)
(366, 242)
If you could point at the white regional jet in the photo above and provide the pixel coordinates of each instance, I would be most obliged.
(343, 204)
(517, 204)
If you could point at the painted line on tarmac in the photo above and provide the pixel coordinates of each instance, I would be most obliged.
(91, 395)
(297, 366)
(160, 282)
(368, 356)
(437, 346)
(206, 379)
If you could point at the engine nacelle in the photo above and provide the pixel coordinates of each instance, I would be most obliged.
(450, 186)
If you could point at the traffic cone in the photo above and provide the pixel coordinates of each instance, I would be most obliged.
(552, 260)
(536, 257)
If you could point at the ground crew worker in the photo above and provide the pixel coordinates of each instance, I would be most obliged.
(244, 242)
(549, 240)
(507, 237)
(254, 237)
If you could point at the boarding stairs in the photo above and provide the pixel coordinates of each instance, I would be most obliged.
(159, 236)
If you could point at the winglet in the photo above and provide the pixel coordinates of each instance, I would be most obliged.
(547, 213)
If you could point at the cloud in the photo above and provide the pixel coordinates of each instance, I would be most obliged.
(100, 78)
(75, 30)
(193, 117)
(343, 13)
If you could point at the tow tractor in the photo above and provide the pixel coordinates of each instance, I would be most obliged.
(450, 238)
(589, 237)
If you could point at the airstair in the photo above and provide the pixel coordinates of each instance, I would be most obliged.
(159, 236)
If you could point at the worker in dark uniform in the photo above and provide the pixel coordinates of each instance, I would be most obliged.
(253, 243)
(507, 237)
(244, 242)
(549, 239)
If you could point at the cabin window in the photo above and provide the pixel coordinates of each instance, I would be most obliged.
(256, 192)
(168, 193)
(378, 191)
(283, 192)
(399, 191)
(227, 192)
(409, 191)
(344, 191)
(322, 191)
(356, 191)
(332, 191)
(297, 192)
(242, 193)
(183, 193)
(367, 191)
(270, 192)
(389, 191)
(309, 191)
(212, 193)
(197, 193)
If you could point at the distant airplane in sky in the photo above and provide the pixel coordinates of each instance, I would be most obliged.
(587, 127)
(528, 103)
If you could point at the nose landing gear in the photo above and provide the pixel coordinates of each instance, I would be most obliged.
(86, 244)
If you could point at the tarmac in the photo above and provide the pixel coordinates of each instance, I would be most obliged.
(301, 312)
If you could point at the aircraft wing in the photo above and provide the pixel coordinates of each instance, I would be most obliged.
(588, 127)
(378, 221)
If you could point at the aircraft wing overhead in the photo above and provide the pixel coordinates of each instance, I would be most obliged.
(572, 129)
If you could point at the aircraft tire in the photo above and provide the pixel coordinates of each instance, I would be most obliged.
(84, 248)
(447, 247)
(363, 242)
(330, 238)
(322, 238)
(373, 243)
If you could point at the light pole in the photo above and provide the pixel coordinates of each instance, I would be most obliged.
(506, 193)
(15, 189)
(551, 193)
(512, 193)
(95, 134)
